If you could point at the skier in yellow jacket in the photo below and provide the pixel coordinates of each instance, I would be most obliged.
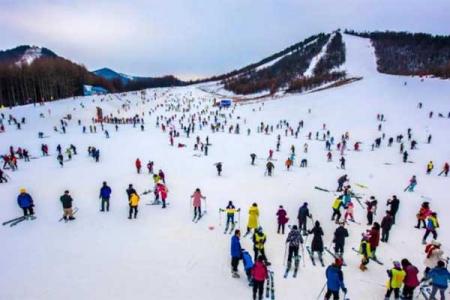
(253, 215)
(133, 202)
(395, 282)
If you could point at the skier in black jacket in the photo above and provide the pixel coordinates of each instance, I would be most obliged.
(303, 213)
(339, 239)
(66, 201)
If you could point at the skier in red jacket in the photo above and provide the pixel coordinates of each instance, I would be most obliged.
(138, 165)
(259, 275)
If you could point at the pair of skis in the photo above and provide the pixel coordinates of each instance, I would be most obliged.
(371, 258)
(75, 210)
(335, 256)
(15, 221)
(156, 203)
(296, 265)
(270, 287)
(198, 217)
(308, 248)
(229, 231)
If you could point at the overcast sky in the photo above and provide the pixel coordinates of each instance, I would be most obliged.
(193, 38)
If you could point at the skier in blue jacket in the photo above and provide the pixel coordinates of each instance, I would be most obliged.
(26, 203)
(439, 280)
(105, 194)
(236, 252)
(335, 280)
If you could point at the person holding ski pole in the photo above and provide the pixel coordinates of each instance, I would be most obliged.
(294, 239)
(230, 211)
(335, 280)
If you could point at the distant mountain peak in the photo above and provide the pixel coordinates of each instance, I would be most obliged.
(25, 54)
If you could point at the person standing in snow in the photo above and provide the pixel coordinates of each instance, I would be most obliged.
(337, 203)
(349, 212)
(3, 176)
(317, 242)
(133, 203)
(218, 168)
(163, 191)
(374, 238)
(335, 280)
(105, 194)
(396, 277)
(342, 160)
(150, 167)
(66, 201)
(386, 225)
(236, 252)
(60, 159)
(253, 215)
(445, 170)
(294, 239)
(197, 202)
(303, 214)
(411, 280)
(253, 157)
(340, 234)
(282, 219)
(341, 182)
(430, 167)
(130, 190)
(138, 165)
(259, 240)
(259, 275)
(423, 214)
(432, 224)
(439, 280)
(269, 168)
(394, 204)
(364, 250)
(25, 202)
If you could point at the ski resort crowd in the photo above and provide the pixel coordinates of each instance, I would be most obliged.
(403, 278)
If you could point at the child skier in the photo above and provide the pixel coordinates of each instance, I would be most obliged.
(432, 225)
(349, 212)
(230, 211)
(197, 202)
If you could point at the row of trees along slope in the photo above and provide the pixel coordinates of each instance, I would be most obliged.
(404, 53)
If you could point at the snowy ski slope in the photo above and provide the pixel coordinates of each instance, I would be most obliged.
(163, 254)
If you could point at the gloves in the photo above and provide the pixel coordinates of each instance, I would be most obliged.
(344, 290)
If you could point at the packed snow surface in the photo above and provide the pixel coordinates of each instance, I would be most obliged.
(163, 254)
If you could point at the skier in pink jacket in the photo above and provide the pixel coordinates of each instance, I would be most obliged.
(197, 202)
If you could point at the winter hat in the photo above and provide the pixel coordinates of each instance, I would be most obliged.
(397, 264)
(339, 262)
(22, 190)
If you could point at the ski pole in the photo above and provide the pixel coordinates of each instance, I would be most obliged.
(321, 291)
